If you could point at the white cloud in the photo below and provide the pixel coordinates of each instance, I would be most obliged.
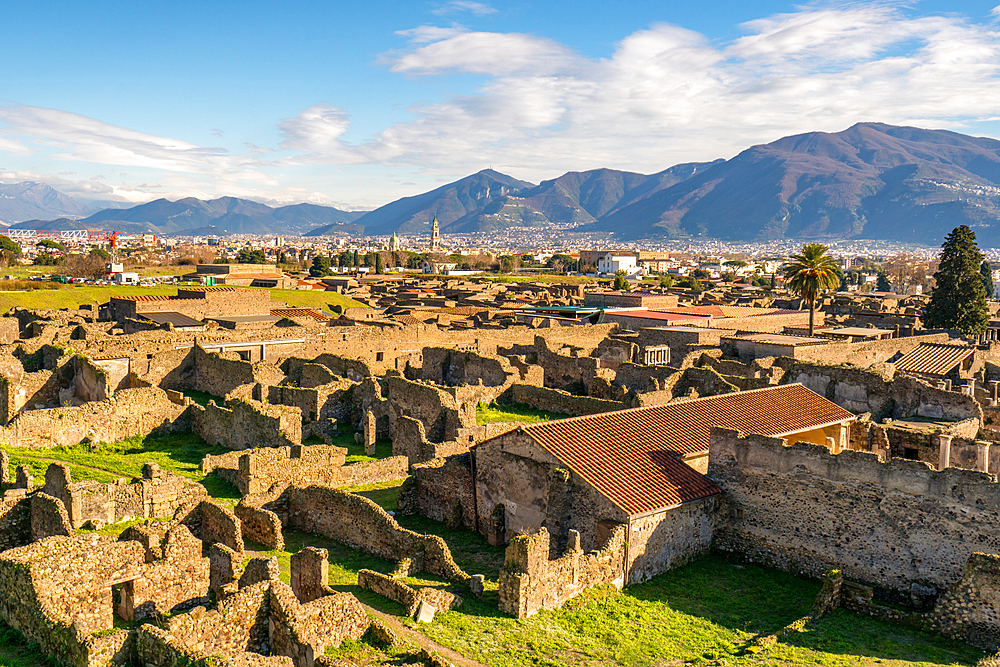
(664, 95)
(477, 8)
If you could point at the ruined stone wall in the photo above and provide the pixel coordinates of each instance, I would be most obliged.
(246, 423)
(669, 538)
(128, 413)
(521, 488)
(558, 401)
(258, 470)
(409, 597)
(860, 390)
(158, 493)
(441, 489)
(529, 581)
(970, 610)
(865, 354)
(333, 400)
(361, 524)
(446, 366)
(804, 510)
(437, 408)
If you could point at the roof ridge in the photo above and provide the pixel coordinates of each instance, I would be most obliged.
(528, 427)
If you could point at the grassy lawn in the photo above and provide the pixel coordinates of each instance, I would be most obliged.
(703, 613)
(513, 412)
(17, 651)
(72, 296)
(180, 453)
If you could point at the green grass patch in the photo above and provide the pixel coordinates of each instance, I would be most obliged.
(72, 296)
(17, 651)
(203, 397)
(705, 612)
(383, 494)
(180, 453)
(513, 412)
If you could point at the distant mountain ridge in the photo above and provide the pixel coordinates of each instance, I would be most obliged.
(225, 214)
(870, 181)
(27, 200)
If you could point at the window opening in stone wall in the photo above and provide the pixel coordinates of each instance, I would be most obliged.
(911, 453)
(244, 354)
(379, 356)
(123, 599)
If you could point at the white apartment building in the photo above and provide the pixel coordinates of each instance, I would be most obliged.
(611, 264)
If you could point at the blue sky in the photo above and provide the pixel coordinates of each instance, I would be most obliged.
(357, 104)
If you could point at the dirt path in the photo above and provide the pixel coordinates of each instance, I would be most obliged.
(422, 641)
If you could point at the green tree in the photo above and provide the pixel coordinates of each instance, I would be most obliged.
(357, 259)
(958, 300)
(810, 272)
(666, 281)
(701, 274)
(621, 282)
(695, 285)
(882, 283)
(507, 263)
(320, 267)
(378, 263)
(987, 274)
(49, 243)
(45, 259)
(247, 256)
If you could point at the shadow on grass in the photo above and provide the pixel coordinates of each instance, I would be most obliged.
(470, 550)
(759, 600)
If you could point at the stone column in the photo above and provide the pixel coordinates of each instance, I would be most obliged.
(982, 456)
(944, 451)
(994, 384)
(370, 433)
(309, 570)
(971, 384)
(4, 469)
(947, 385)
(833, 445)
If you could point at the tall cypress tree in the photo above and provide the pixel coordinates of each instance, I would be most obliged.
(987, 274)
(958, 300)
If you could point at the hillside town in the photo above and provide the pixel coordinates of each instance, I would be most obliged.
(347, 484)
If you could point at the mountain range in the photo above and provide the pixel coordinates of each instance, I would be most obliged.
(871, 181)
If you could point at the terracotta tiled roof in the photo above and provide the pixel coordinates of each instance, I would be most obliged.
(633, 457)
(143, 297)
(300, 312)
(933, 358)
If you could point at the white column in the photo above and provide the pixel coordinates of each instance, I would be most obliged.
(982, 456)
(944, 451)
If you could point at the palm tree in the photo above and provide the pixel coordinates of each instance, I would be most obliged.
(809, 273)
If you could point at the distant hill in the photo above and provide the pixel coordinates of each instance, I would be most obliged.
(871, 181)
(227, 214)
(490, 201)
(450, 203)
(27, 201)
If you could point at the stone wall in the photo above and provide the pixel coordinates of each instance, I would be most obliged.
(882, 394)
(556, 400)
(892, 525)
(667, 539)
(441, 410)
(246, 423)
(127, 413)
(158, 493)
(441, 489)
(970, 610)
(258, 470)
(361, 524)
(328, 401)
(409, 597)
(529, 581)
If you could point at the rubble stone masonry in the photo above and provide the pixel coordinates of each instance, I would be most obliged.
(803, 509)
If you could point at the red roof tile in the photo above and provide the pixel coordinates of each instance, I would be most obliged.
(633, 457)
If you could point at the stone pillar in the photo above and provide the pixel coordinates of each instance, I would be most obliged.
(24, 480)
(971, 384)
(982, 456)
(944, 451)
(833, 445)
(994, 384)
(370, 433)
(947, 385)
(309, 571)
(4, 469)
(223, 565)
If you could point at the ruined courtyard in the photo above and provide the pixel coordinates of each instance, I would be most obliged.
(448, 476)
